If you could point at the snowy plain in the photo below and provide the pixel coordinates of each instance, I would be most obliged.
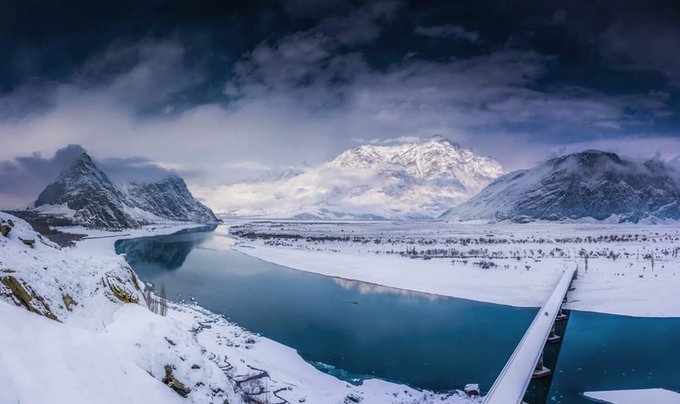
(623, 269)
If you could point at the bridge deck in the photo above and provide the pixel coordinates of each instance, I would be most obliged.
(512, 383)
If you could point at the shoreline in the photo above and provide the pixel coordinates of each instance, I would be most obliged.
(617, 287)
(294, 378)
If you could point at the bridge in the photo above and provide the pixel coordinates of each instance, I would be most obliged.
(527, 359)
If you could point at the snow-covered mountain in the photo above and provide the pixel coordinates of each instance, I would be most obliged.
(169, 198)
(410, 180)
(591, 184)
(436, 160)
(86, 194)
(89, 193)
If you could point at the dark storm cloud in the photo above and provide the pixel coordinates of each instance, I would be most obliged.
(142, 75)
(138, 169)
(448, 30)
(653, 47)
(22, 178)
(217, 91)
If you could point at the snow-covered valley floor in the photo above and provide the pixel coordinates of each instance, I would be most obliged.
(76, 329)
(622, 269)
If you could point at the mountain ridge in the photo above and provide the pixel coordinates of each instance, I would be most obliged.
(417, 179)
(86, 193)
(588, 184)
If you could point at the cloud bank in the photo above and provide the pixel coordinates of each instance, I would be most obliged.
(345, 74)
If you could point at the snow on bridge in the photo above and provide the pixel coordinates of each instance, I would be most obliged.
(512, 383)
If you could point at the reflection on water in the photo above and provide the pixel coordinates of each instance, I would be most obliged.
(168, 251)
(346, 328)
(372, 288)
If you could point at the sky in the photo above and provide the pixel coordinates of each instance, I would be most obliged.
(223, 91)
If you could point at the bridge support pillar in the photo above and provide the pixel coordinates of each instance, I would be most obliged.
(553, 338)
(561, 316)
(541, 371)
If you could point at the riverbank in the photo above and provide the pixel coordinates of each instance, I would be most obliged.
(106, 340)
(623, 270)
(242, 355)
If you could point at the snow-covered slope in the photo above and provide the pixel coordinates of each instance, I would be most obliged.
(411, 180)
(87, 195)
(76, 329)
(169, 198)
(589, 184)
(77, 325)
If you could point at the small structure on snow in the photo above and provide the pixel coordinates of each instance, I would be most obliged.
(472, 389)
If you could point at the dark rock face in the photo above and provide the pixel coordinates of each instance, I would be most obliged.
(6, 226)
(86, 189)
(98, 203)
(175, 384)
(170, 198)
(587, 184)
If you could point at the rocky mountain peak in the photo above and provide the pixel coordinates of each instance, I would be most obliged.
(82, 167)
(588, 158)
(589, 184)
(75, 182)
(94, 201)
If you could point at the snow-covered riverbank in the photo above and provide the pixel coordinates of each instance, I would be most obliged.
(104, 350)
(631, 270)
(516, 288)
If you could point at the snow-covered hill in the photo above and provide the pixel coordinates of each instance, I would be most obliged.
(76, 328)
(77, 324)
(410, 180)
(85, 193)
(589, 184)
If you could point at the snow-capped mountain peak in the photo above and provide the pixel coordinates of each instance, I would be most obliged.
(88, 196)
(87, 192)
(81, 176)
(435, 159)
(415, 179)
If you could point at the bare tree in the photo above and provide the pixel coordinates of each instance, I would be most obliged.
(163, 309)
(157, 304)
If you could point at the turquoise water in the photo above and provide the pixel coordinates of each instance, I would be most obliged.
(349, 329)
(605, 352)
